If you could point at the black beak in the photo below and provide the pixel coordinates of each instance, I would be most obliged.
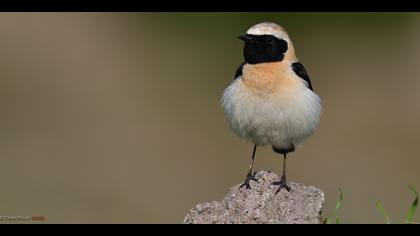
(244, 37)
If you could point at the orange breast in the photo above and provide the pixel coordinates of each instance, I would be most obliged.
(267, 78)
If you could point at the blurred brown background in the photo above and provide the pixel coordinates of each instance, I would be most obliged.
(115, 117)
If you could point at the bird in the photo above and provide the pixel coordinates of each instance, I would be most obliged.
(271, 100)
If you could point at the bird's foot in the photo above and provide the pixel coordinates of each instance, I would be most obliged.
(248, 179)
(283, 184)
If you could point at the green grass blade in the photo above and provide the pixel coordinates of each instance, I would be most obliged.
(338, 207)
(413, 207)
(383, 212)
(329, 221)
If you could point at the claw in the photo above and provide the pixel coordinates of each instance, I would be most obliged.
(248, 179)
(283, 184)
(246, 184)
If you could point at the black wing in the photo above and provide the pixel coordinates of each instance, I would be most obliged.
(239, 71)
(301, 72)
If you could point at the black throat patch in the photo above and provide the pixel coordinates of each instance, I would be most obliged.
(263, 48)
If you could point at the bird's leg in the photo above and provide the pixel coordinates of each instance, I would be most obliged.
(283, 181)
(250, 175)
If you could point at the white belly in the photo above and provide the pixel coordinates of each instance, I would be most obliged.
(280, 119)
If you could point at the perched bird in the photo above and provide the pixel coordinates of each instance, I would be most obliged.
(271, 100)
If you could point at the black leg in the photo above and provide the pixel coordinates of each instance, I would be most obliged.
(250, 176)
(283, 180)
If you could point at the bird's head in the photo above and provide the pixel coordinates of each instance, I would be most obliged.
(267, 42)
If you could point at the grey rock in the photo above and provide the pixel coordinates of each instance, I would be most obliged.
(260, 205)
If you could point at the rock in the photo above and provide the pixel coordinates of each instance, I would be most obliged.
(260, 205)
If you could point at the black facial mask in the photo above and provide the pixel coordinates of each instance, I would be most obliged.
(263, 48)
